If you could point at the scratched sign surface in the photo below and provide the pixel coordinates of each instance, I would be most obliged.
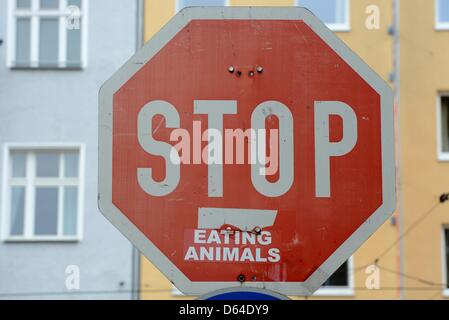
(246, 146)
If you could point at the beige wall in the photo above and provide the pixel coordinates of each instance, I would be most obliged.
(424, 72)
(375, 47)
(158, 12)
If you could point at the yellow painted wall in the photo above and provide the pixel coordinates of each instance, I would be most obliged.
(157, 14)
(424, 72)
(375, 47)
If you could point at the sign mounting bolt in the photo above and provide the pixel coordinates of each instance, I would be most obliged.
(231, 69)
(259, 69)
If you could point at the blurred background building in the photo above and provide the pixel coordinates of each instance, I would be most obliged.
(50, 74)
(54, 57)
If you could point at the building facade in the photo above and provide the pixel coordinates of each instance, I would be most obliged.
(55, 55)
(352, 20)
(424, 122)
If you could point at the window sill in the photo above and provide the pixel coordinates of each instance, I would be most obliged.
(443, 157)
(45, 68)
(339, 27)
(442, 26)
(334, 292)
(26, 65)
(42, 239)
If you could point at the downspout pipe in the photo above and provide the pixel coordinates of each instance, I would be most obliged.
(397, 92)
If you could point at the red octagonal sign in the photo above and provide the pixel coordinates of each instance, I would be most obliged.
(246, 146)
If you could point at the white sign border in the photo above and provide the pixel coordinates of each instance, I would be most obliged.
(176, 24)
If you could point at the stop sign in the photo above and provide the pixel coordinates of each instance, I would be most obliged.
(246, 147)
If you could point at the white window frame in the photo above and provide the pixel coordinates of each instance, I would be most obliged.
(442, 156)
(340, 291)
(34, 13)
(338, 27)
(444, 261)
(439, 25)
(329, 291)
(28, 235)
(178, 7)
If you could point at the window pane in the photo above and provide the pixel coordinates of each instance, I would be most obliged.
(447, 255)
(443, 11)
(71, 164)
(18, 164)
(49, 4)
(445, 124)
(199, 3)
(46, 211)
(339, 278)
(48, 42)
(329, 11)
(47, 164)
(23, 41)
(74, 47)
(23, 4)
(70, 210)
(17, 210)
